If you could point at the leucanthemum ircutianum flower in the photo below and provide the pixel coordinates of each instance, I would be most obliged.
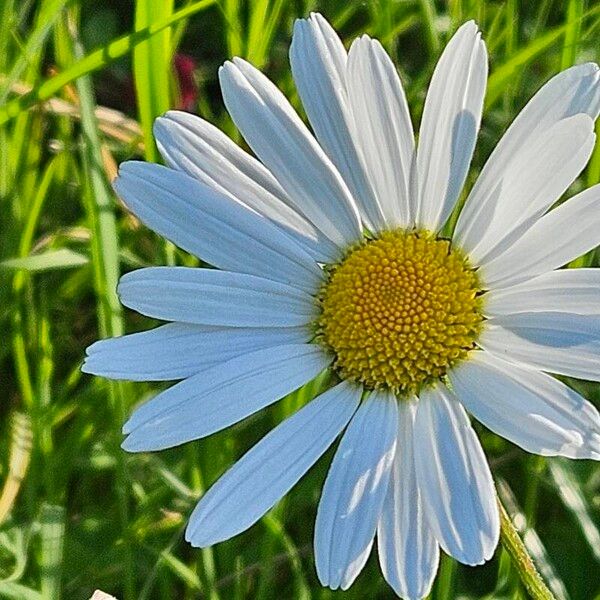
(330, 256)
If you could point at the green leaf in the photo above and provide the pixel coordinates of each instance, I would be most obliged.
(47, 261)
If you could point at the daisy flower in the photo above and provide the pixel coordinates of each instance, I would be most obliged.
(331, 254)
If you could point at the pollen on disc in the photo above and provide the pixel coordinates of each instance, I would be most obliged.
(399, 311)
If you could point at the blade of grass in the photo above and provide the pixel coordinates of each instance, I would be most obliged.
(105, 261)
(15, 591)
(275, 527)
(431, 34)
(152, 68)
(52, 534)
(231, 10)
(503, 74)
(575, 11)
(569, 489)
(264, 18)
(20, 454)
(62, 258)
(524, 547)
(96, 60)
(444, 582)
(46, 18)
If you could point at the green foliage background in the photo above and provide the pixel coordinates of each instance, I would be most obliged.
(76, 512)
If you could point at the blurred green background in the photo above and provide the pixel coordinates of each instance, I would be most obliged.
(80, 84)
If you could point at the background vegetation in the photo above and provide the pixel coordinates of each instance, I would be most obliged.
(80, 84)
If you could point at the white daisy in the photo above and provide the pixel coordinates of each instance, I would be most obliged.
(331, 257)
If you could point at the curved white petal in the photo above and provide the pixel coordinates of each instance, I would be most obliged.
(180, 350)
(194, 146)
(561, 343)
(283, 143)
(271, 468)
(213, 226)
(454, 479)
(568, 290)
(212, 297)
(449, 127)
(528, 407)
(574, 91)
(558, 237)
(221, 396)
(408, 552)
(354, 492)
(383, 127)
(536, 179)
(318, 60)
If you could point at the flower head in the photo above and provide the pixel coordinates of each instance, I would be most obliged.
(331, 256)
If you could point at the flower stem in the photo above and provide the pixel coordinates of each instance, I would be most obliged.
(520, 558)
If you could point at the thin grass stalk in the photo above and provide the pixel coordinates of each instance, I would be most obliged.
(105, 261)
(47, 16)
(52, 533)
(522, 562)
(444, 584)
(152, 69)
(428, 13)
(95, 61)
(575, 12)
(206, 567)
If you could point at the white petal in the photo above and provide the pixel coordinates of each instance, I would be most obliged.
(271, 468)
(535, 180)
(283, 143)
(574, 91)
(408, 552)
(318, 60)
(221, 396)
(451, 118)
(213, 226)
(354, 492)
(179, 350)
(568, 290)
(194, 146)
(212, 297)
(383, 127)
(528, 407)
(558, 237)
(562, 343)
(454, 479)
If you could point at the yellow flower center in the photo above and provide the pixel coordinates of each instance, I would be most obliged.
(399, 311)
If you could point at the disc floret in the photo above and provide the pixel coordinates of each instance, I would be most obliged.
(399, 311)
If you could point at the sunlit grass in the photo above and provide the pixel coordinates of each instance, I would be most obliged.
(76, 512)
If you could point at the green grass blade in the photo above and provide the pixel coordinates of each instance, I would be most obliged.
(105, 261)
(15, 591)
(575, 13)
(52, 534)
(503, 75)
(429, 24)
(96, 60)
(47, 16)
(62, 258)
(531, 542)
(152, 68)
(231, 10)
(265, 16)
(569, 489)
